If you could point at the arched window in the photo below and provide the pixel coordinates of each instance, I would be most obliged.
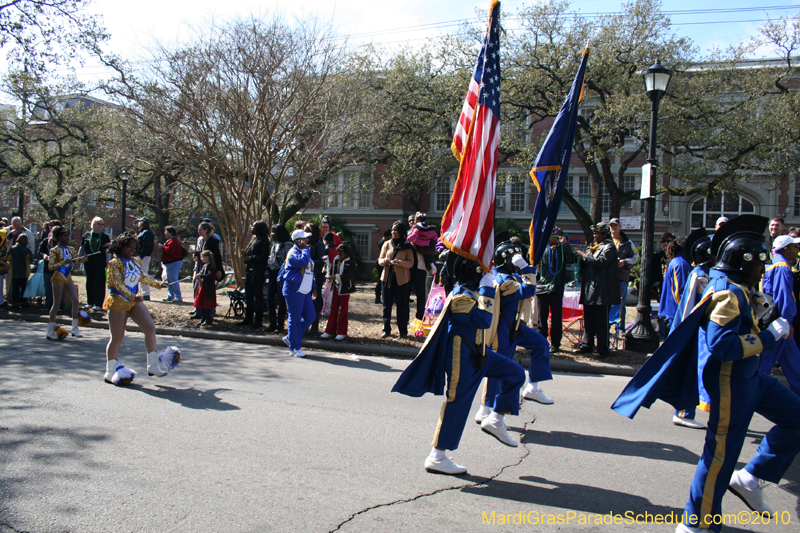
(706, 211)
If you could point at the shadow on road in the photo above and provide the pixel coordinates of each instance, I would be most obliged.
(364, 364)
(592, 443)
(191, 398)
(583, 498)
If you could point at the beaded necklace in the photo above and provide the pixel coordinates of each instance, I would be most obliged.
(559, 263)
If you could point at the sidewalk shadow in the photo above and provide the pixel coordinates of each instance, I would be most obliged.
(609, 445)
(362, 363)
(190, 398)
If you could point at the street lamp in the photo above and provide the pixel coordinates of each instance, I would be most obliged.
(642, 337)
(124, 176)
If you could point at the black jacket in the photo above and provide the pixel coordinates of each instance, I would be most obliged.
(317, 251)
(212, 244)
(553, 269)
(146, 242)
(259, 255)
(89, 247)
(600, 278)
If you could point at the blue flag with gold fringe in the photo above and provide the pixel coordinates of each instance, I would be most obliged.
(551, 169)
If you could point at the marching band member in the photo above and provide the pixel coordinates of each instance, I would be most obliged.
(515, 281)
(124, 300)
(455, 351)
(696, 251)
(61, 259)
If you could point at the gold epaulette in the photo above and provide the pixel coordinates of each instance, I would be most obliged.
(509, 287)
(462, 303)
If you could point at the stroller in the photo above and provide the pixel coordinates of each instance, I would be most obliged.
(433, 308)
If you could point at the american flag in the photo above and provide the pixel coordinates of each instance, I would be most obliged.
(468, 223)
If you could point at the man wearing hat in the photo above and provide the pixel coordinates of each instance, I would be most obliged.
(550, 286)
(146, 244)
(720, 221)
(599, 289)
(778, 282)
(627, 257)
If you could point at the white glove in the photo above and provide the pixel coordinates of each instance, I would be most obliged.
(487, 280)
(780, 328)
(519, 261)
(433, 268)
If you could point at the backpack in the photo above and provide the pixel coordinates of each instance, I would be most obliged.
(184, 252)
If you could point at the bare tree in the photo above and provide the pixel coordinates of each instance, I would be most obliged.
(260, 112)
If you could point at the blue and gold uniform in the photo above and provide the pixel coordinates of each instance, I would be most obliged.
(695, 286)
(62, 270)
(452, 353)
(724, 324)
(674, 281)
(512, 290)
(778, 282)
(737, 389)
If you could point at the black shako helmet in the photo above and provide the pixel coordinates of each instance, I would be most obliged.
(701, 253)
(696, 249)
(466, 271)
(503, 254)
(740, 243)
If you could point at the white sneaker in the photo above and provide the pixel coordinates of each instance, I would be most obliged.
(754, 499)
(51, 331)
(537, 396)
(75, 331)
(498, 431)
(326, 336)
(340, 337)
(444, 466)
(687, 422)
(299, 353)
(482, 413)
(687, 529)
(286, 341)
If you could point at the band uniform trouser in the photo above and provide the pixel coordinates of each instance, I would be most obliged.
(463, 380)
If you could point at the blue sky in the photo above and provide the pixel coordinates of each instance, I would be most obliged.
(393, 22)
(398, 20)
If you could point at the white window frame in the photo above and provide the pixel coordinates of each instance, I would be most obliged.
(346, 192)
(716, 213)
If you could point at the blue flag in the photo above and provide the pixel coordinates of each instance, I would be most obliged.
(551, 169)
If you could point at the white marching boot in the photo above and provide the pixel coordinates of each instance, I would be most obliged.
(117, 373)
(51, 331)
(153, 366)
(75, 331)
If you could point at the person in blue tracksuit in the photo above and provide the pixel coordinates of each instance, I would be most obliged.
(455, 351)
(736, 387)
(696, 251)
(515, 281)
(674, 280)
(778, 282)
(299, 290)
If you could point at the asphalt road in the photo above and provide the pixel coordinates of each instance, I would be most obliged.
(246, 438)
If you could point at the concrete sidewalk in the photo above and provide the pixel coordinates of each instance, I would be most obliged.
(556, 365)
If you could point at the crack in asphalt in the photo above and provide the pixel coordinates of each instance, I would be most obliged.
(485, 481)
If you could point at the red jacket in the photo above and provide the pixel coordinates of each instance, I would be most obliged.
(172, 251)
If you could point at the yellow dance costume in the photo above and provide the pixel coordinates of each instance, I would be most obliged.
(124, 276)
(62, 271)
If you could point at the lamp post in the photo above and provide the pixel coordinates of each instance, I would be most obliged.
(642, 337)
(124, 176)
